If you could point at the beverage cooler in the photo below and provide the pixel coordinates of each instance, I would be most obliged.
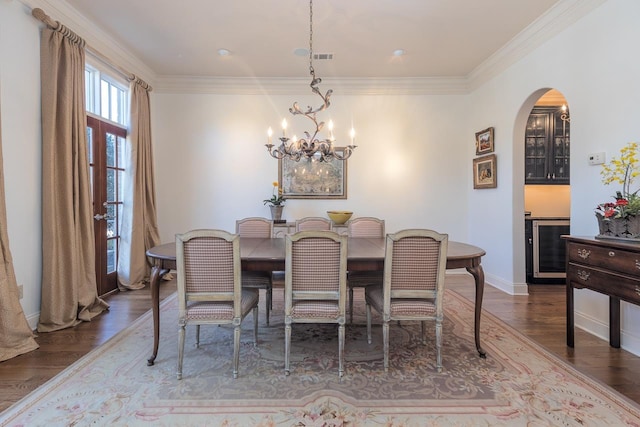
(545, 250)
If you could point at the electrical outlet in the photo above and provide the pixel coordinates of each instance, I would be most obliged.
(596, 159)
(21, 290)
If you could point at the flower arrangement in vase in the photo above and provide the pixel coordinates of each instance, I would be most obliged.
(621, 218)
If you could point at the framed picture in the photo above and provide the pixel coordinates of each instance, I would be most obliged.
(485, 172)
(313, 179)
(484, 142)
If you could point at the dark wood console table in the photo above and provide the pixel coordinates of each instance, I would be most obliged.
(611, 267)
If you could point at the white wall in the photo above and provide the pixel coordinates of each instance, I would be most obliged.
(410, 166)
(593, 65)
(20, 99)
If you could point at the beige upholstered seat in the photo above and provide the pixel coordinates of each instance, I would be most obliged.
(315, 223)
(257, 227)
(413, 286)
(363, 227)
(210, 289)
(315, 284)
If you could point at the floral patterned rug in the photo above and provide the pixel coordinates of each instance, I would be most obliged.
(519, 383)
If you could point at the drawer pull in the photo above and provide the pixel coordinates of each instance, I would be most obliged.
(584, 253)
(583, 275)
(612, 254)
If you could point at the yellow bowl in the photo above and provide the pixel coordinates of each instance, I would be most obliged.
(339, 217)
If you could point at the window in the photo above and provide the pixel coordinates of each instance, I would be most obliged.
(106, 96)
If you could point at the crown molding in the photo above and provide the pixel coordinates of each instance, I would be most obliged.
(564, 14)
(560, 17)
(97, 40)
(294, 86)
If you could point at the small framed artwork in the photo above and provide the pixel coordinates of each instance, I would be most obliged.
(484, 142)
(485, 172)
(313, 179)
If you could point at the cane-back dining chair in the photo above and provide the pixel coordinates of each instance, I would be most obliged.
(363, 227)
(413, 286)
(210, 287)
(257, 227)
(315, 284)
(314, 223)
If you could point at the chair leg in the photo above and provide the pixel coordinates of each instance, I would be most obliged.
(236, 350)
(439, 345)
(269, 302)
(350, 304)
(368, 323)
(385, 343)
(341, 350)
(287, 347)
(423, 329)
(197, 336)
(255, 326)
(181, 334)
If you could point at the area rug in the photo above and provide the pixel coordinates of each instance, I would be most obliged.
(518, 384)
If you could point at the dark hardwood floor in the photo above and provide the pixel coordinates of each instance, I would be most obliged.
(540, 315)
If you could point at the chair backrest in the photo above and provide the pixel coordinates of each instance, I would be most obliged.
(313, 223)
(415, 265)
(254, 227)
(208, 267)
(366, 227)
(316, 266)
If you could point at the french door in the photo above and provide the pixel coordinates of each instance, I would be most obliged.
(106, 148)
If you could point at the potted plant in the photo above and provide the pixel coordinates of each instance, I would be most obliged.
(276, 202)
(621, 218)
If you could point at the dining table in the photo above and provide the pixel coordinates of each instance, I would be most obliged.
(268, 254)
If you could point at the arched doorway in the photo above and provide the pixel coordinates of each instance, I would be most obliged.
(547, 196)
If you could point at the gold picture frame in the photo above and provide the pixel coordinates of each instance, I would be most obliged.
(484, 141)
(485, 172)
(313, 179)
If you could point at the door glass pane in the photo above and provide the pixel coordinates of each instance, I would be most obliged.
(90, 144)
(111, 255)
(111, 185)
(111, 150)
(112, 231)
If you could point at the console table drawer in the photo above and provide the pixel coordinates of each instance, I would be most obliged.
(612, 259)
(609, 283)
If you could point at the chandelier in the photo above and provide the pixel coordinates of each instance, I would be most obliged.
(312, 145)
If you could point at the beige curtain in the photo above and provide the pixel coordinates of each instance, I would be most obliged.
(69, 293)
(15, 335)
(139, 222)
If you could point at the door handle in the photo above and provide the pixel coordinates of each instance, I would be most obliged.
(99, 217)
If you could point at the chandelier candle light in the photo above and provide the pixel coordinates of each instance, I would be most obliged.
(312, 145)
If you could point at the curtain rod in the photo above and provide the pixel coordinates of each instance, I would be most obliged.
(42, 16)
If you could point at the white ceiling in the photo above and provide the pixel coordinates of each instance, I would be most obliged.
(441, 38)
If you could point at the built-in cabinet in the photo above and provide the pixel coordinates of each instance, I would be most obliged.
(547, 141)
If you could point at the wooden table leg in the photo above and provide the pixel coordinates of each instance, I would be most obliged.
(614, 322)
(570, 330)
(478, 274)
(154, 283)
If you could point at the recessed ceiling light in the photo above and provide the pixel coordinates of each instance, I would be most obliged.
(224, 52)
(398, 52)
